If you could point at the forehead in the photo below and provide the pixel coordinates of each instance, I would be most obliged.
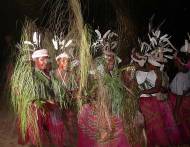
(63, 59)
(42, 58)
(109, 56)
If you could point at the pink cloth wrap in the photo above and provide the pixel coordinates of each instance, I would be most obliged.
(87, 130)
(184, 117)
(50, 125)
(160, 126)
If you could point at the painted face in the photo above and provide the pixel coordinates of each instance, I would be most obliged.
(41, 63)
(63, 63)
(110, 60)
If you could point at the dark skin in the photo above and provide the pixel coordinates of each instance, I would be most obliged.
(63, 65)
(41, 64)
(179, 98)
(110, 60)
(128, 80)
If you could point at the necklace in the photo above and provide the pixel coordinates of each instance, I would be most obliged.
(63, 77)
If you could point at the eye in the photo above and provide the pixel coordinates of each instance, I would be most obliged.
(41, 59)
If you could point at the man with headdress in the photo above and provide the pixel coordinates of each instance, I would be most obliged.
(39, 117)
(100, 123)
(65, 86)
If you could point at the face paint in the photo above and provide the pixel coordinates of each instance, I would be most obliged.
(110, 62)
(63, 63)
(41, 63)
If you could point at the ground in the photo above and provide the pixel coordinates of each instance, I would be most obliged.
(8, 135)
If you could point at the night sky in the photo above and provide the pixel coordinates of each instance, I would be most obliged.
(101, 13)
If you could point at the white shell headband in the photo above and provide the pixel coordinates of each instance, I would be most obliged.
(40, 53)
(62, 55)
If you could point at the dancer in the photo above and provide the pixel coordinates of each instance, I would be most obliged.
(180, 88)
(100, 122)
(159, 122)
(65, 86)
(32, 97)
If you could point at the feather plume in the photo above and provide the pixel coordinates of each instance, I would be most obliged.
(68, 43)
(106, 34)
(98, 34)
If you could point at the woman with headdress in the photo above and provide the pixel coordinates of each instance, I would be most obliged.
(159, 122)
(180, 93)
(65, 86)
(100, 123)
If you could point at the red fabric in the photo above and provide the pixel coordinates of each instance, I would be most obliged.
(70, 118)
(154, 123)
(55, 125)
(88, 131)
(50, 125)
(21, 139)
(184, 115)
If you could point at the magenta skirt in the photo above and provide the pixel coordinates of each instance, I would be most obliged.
(55, 125)
(160, 125)
(184, 117)
(88, 131)
(51, 129)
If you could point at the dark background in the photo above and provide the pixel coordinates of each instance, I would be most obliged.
(98, 13)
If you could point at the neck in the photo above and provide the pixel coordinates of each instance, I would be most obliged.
(62, 69)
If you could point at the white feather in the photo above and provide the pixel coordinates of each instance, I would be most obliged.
(35, 38)
(112, 34)
(186, 45)
(168, 56)
(164, 37)
(28, 43)
(167, 50)
(62, 43)
(39, 39)
(99, 34)
(68, 43)
(113, 44)
(157, 33)
(188, 36)
(106, 34)
(55, 44)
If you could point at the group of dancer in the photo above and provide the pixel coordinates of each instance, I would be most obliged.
(119, 107)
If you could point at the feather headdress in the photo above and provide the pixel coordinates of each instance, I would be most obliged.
(157, 51)
(64, 49)
(160, 46)
(106, 42)
(186, 47)
(61, 46)
(36, 41)
(37, 50)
